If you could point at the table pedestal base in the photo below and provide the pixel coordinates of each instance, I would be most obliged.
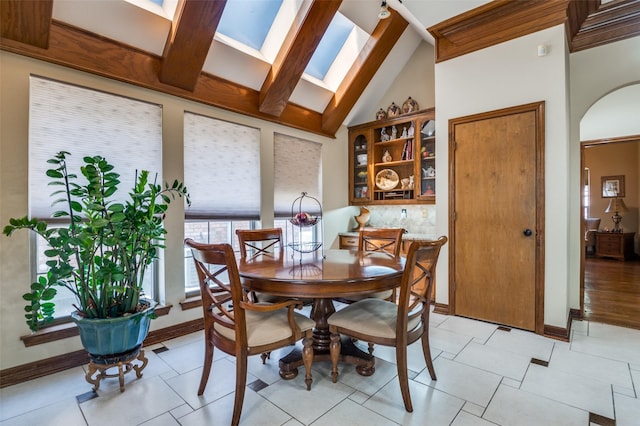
(349, 354)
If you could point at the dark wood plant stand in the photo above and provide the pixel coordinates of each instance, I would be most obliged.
(123, 362)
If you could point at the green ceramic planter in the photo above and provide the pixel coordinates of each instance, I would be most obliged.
(114, 336)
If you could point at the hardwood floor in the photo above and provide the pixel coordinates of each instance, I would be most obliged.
(612, 291)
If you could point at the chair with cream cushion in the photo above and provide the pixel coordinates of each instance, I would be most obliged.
(398, 325)
(591, 228)
(239, 327)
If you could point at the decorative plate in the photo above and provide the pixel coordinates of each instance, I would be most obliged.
(387, 179)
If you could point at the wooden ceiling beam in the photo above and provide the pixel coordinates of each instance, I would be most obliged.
(292, 59)
(78, 49)
(27, 22)
(189, 41)
(378, 46)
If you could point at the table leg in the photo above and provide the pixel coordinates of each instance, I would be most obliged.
(349, 353)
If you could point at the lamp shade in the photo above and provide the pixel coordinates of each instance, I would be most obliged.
(616, 205)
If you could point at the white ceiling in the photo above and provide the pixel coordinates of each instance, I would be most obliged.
(135, 26)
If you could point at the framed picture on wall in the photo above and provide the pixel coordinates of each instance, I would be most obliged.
(612, 186)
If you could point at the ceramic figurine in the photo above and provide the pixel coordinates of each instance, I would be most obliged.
(383, 135)
(394, 132)
(386, 157)
(411, 131)
(405, 134)
(381, 114)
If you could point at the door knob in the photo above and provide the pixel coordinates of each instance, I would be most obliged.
(527, 232)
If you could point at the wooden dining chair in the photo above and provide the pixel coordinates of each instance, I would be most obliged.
(261, 242)
(239, 327)
(385, 323)
(384, 240)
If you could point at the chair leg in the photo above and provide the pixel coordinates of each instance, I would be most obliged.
(426, 350)
(403, 376)
(334, 350)
(208, 360)
(307, 357)
(241, 382)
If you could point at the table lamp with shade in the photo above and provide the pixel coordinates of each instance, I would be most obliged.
(616, 206)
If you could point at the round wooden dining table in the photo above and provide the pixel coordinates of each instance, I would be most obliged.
(323, 276)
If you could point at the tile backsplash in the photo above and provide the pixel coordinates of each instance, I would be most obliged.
(420, 219)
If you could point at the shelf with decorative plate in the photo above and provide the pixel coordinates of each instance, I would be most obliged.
(396, 144)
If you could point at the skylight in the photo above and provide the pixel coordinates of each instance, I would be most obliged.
(248, 21)
(329, 46)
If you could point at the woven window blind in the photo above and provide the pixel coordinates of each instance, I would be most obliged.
(86, 122)
(222, 168)
(298, 168)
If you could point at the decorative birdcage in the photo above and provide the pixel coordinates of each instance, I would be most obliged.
(306, 224)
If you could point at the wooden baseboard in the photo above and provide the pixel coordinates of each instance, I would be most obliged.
(441, 308)
(44, 367)
(560, 333)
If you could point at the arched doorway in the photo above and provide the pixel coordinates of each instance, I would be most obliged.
(610, 135)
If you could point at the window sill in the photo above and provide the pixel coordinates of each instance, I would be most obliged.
(67, 329)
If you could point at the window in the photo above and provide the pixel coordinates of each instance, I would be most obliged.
(586, 192)
(87, 122)
(222, 172)
(210, 232)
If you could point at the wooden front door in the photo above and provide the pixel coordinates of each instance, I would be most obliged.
(496, 220)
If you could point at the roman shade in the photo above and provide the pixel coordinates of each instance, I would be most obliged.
(221, 168)
(87, 122)
(298, 168)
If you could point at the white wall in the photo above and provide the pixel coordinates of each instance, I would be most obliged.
(502, 76)
(14, 251)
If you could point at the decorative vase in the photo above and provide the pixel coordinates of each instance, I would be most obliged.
(393, 110)
(113, 336)
(381, 114)
(410, 105)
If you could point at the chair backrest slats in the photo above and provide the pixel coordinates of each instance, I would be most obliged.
(417, 282)
(220, 286)
(270, 240)
(386, 240)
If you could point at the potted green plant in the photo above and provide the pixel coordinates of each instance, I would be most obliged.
(102, 254)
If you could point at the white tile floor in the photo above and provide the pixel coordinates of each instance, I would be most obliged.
(485, 377)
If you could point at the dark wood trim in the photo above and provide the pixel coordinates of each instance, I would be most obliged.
(295, 53)
(44, 367)
(588, 24)
(495, 22)
(538, 108)
(67, 329)
(26, 21)
(189, 41)
(380, 43)
(441, 308)
(560, 333)
(78, 49)
(613, 21)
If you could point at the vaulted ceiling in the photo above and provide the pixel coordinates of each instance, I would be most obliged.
(183, 56)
